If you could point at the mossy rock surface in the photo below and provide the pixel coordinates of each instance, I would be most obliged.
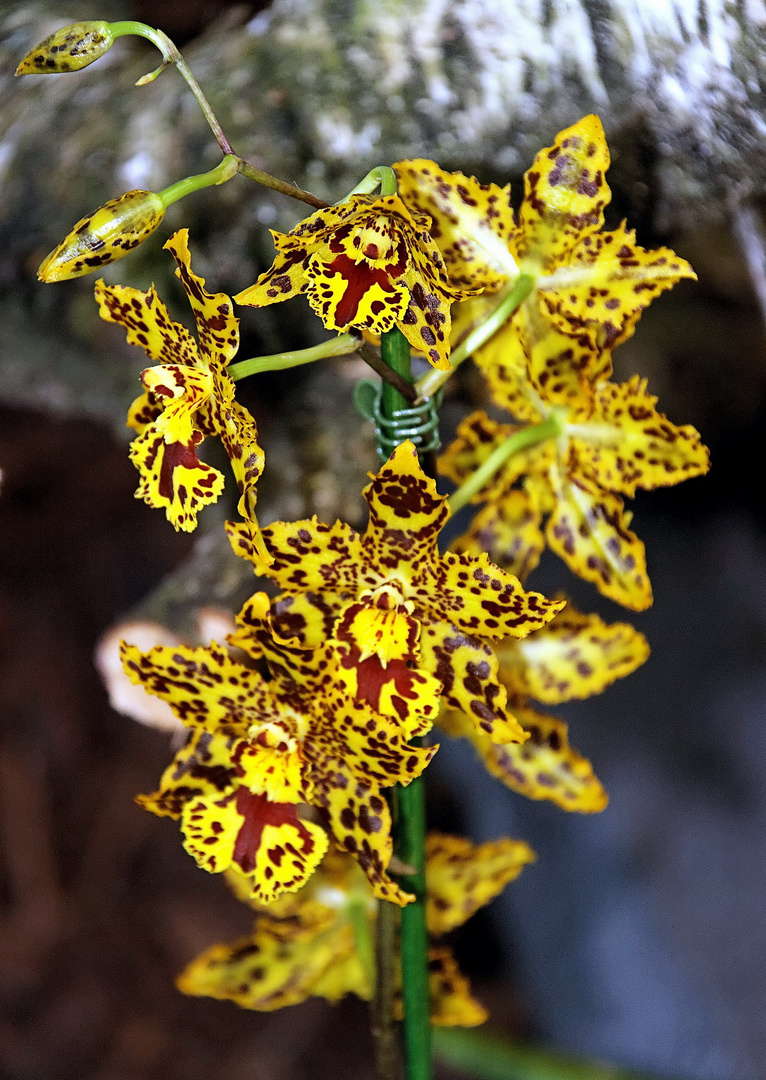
(318, 91)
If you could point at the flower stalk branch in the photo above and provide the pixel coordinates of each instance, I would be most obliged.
(171, 55)
(384, 1026)
(510, 301)
(358, 916)
(373, 359)
(341, 345)
(549, 428)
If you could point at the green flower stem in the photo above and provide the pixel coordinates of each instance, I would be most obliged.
(381, 176)
(395, 351)
(416, 998)
(171, 55)
(223, 172)
(550, 428)
(489, 1057)
(410, 819)
(337, 346)
(511, 300)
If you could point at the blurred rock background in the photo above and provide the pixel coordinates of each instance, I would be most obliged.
(639, 936)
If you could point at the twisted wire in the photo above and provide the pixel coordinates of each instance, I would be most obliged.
(419, 423)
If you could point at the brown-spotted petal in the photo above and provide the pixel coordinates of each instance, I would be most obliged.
(574, 656)
(472, 223)
(565, 193)
(462, 877)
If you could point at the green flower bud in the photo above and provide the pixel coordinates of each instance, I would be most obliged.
(104, 236)
(69, 49)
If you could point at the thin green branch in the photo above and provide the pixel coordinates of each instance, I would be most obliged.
(489, 1057)
(433, 380)
(550, 428)
(171, 55)
(223, 172)
(341, 345)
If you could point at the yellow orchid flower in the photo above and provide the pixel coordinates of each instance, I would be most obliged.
(588, 287)
(544, 767)
(574, 656)
(188, 395)
(370, 264)
(576, 480)
(455, 605)
(261, 748)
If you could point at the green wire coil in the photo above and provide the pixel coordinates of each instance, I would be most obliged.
(420, 423)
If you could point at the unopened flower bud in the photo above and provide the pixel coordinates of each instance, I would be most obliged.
(69, 49)
(104, 236)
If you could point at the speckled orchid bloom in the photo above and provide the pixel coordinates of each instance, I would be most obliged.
(261, 748)
(188, 395)
(590, 287)
(398, 583)
(369, 264)
(574, 656)
(576, 480)
(308, 943)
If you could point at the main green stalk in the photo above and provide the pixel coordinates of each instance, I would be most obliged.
(416, 999)
(395, 351)
(410, 818)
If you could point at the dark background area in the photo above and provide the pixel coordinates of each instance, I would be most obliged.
(639, 935)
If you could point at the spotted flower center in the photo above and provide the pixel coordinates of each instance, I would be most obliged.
(377, 241)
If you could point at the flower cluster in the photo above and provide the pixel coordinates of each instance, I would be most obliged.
(276, 762)
(308, 943)
(302, 722)
(324, 696)
(296, 739)
(552, 361)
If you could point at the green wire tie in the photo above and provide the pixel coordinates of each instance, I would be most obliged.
(420, 423)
